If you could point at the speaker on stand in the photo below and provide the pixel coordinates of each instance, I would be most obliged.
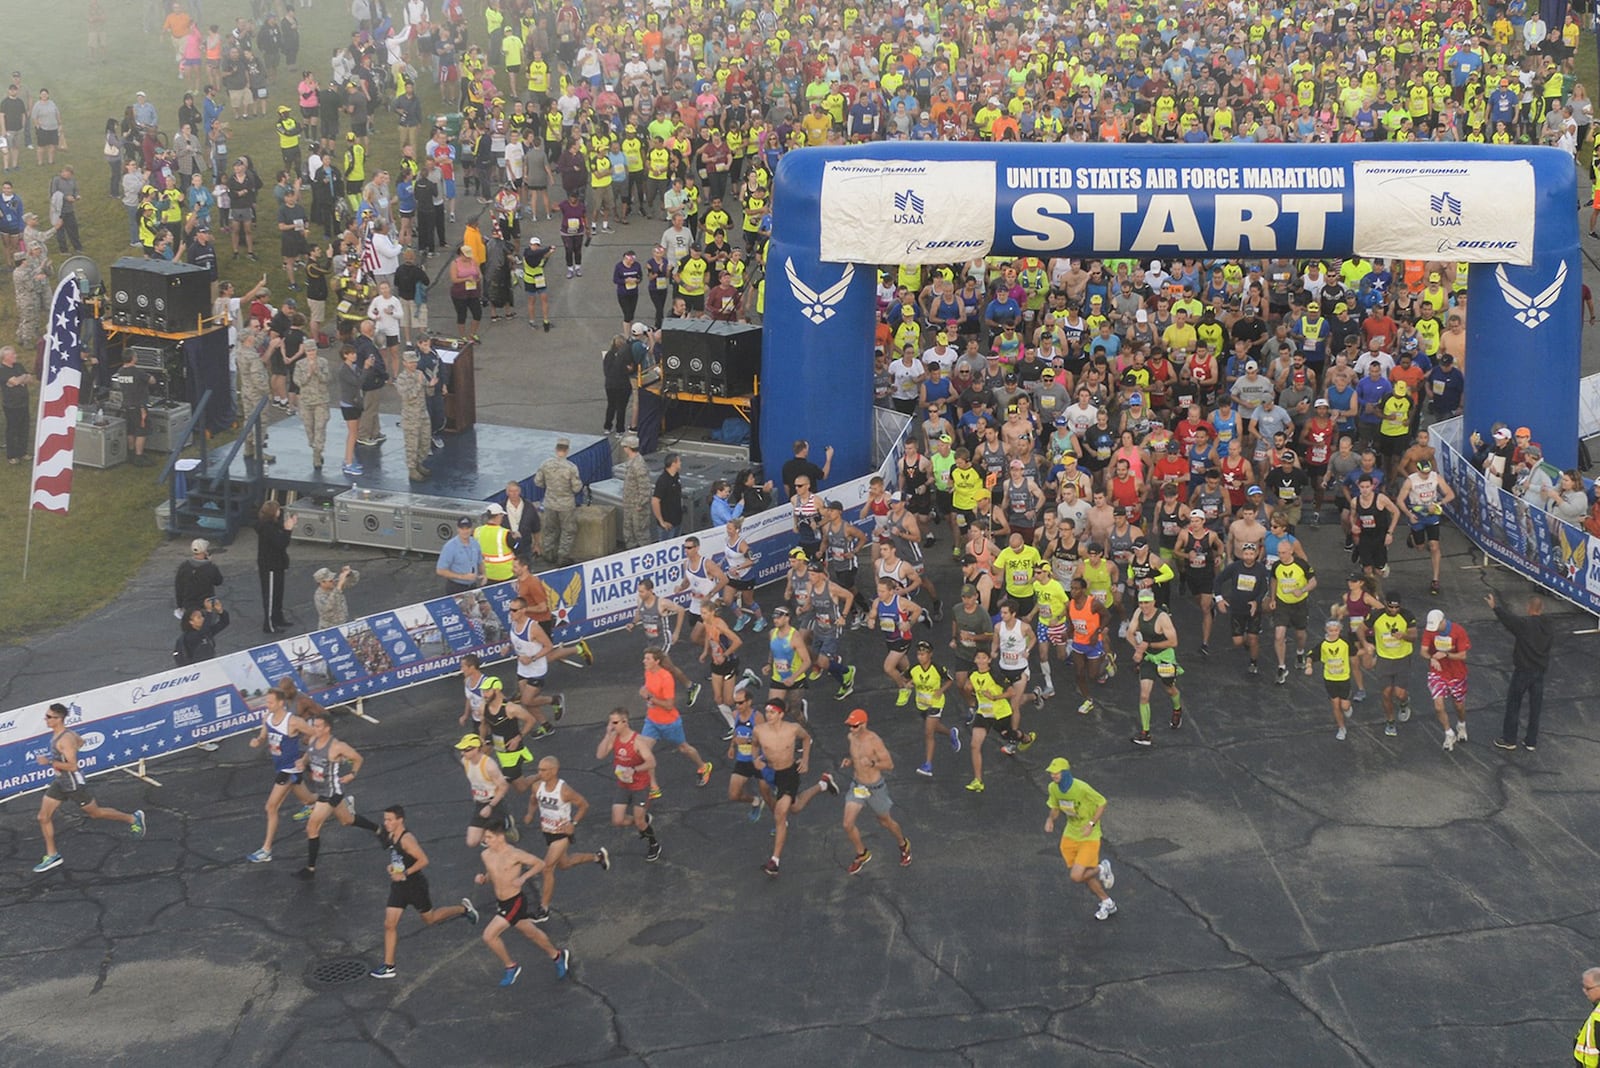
(682, 344)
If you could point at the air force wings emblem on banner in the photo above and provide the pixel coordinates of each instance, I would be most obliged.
(1531, 312)
(818, 307)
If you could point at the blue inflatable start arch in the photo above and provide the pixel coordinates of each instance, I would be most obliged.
(842, 212)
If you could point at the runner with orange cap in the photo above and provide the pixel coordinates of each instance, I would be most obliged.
(868, 760)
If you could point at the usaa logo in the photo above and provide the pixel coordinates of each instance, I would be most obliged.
(1444, 210)
(908, 209)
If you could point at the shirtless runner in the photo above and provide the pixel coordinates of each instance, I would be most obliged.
(869, 758)
(506, 870)
(776, 739)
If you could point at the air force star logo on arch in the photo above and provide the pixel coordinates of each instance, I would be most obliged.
(1531, 312)
(818, 307)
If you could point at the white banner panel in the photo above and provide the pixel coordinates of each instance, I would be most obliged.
(1478, 211)
(893, 211)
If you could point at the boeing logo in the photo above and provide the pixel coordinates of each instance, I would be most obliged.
(141, 692)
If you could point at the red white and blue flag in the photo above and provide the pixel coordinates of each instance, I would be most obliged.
(369, 256)
(59, 381)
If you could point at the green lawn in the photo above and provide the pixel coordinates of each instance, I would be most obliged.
(83, 560)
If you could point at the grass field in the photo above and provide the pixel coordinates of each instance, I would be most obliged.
(84, 559)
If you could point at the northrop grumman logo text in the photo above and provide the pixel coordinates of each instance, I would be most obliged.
(908, 209)
(1444, 210)
(818, 307)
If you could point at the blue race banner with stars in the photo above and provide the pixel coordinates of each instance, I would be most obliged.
(389, 650)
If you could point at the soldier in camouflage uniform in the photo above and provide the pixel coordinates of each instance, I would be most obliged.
(561, 482)
(636, 491)
(254, 382)
(332, 608)
(32, 282)
(415, 430)
(312, 375)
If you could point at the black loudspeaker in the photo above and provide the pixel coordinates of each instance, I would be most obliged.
(156, 295)
(682, 351)
(733, 358)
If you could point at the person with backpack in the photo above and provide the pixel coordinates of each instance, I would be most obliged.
(196, 581)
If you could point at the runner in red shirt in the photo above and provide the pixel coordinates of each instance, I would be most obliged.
(1318, 438)
(633, 763)
(1444, 646)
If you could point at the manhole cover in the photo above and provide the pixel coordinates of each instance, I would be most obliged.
(335, 971)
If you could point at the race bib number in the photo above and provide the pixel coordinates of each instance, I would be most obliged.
(624, 774)
(859, 792)
(1167, 669)
(1247, 583)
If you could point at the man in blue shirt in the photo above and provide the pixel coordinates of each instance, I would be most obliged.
(1002, 310)
(1371, 392)
(1445, 385)
(461, 560)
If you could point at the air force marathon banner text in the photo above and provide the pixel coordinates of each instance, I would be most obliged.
(390, 650)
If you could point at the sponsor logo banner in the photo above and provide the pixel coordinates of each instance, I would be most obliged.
(1480, 211)
(386, 651)
(906, 211)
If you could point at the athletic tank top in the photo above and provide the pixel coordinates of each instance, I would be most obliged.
(785, 657)
(524, 646)
(892, 620)
(400, 858)
(1371, 519)
(474, 694)
(892, 574)
(653, 620)
(1357, 607)
(899, 536)
(800, 593)
(1019, 503)
(625, 764)
(1147, 629)
(736, 559)
(503, 727)
(719, 647)
(1012, 645)
(478, 778)
(1210, 502)
(699, 584)
(913, 479)
(1199, 460)
(744, 737)
(324, 770)
(1198, 554)
(284, 746)
(68, 780)
(1085, 621)
(837, 551)
(826, 619)
(1120, 546)
(553, 811)
(1169, 524)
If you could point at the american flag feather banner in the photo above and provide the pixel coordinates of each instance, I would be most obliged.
(59, 381)
(369, 256)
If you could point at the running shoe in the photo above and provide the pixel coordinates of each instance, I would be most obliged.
(1390, 730)
(1205, 650)
(1359, 695)
(540, 915)
(48, 861)
(306, 874)
(469, 911)
(1433, 587)
(955, 739)
(827, 783)
(1449, 739)
(1008, 748)
(1085, 708)
(739, 623)
(1111, 665)
(848, 686)
(1253, 669)
(1300, 659)
(303, 815)
(705, 773)
(604, 860)
(694, 693)
(814, 674)
(1143, 738)
(1461, 731)
(902, 699)
(1108, 878)
(975, 786)
(384, 971)
(513, 834)
(905, 852)
(1107, 909)
(264, 856)
(771, 867)
(759, 625)
(938, 611)
(585, 652)
(542, 730)
(1529, 746)
(1177, 718)
(655, 792)
(1501, 743)
(558, 707)
(1405, 711)
(1282, 675)
(1027, 741)
(1040, 694)
(757, 807)
(1339, 735)
(925, 769)
(860, 861)
(137, 827)
(750, 677)
(516, 969)
(653, 853)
